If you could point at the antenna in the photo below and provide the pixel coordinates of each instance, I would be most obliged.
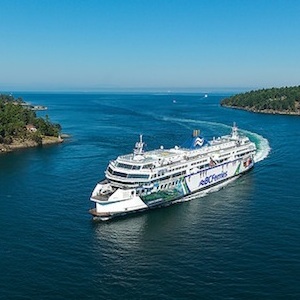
(234, 132)
(139, 147)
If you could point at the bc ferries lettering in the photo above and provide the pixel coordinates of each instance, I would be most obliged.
(212, 178)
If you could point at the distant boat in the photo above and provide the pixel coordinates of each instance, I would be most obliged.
(205, 96)
(174, 101)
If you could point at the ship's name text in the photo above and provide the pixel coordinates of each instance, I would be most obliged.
(212, 178)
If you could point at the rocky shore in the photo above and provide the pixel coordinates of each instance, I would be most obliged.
(23, 144)
(266, 111)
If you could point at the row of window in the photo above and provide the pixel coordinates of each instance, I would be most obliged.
(168, 185)
(169, 176)
(222, 155)
(124, 175)
(133, 167)
(129, 167)
(162, 186)
(242, 154)
(178, 168)
(222, 160)
(199, 162)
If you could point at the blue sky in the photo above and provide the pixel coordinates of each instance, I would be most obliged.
(139, 44)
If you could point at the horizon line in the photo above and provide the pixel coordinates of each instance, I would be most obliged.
(166, 90)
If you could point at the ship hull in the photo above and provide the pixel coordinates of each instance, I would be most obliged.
(190, 184)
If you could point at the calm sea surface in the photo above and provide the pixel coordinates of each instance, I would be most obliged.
(241, 242)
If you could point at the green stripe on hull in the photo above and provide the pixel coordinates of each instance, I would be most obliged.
(237, 171)
(164, 196)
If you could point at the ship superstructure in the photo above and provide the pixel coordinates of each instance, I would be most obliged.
(147, 179)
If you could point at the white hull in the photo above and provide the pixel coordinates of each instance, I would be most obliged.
(126, 201)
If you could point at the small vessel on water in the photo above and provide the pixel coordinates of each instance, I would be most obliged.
(148, 179)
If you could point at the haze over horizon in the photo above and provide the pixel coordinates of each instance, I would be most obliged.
(208, 45)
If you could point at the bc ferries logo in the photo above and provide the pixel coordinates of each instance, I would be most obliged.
(213, 178)
(198, 142)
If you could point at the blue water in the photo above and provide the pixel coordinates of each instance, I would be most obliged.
(241, 242)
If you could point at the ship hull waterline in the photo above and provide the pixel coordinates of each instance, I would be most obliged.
(108, 215)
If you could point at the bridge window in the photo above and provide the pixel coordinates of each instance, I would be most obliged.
(138, 176)
(119, 174)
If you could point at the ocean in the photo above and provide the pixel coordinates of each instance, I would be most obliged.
(241, 241)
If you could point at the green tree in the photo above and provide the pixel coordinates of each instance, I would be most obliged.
(14, 117)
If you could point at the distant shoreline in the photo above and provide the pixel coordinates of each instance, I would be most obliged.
(18, 144)
(273, 101)
(265, 111)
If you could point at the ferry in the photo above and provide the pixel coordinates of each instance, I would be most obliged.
(143, 179)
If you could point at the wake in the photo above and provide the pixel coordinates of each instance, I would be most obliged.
(262, 144)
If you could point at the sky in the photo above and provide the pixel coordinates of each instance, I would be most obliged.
(94, 45)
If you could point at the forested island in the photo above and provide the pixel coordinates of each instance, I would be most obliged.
(285, 100)
(21, 128)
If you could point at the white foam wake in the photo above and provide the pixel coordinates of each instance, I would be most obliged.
(262, 144)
